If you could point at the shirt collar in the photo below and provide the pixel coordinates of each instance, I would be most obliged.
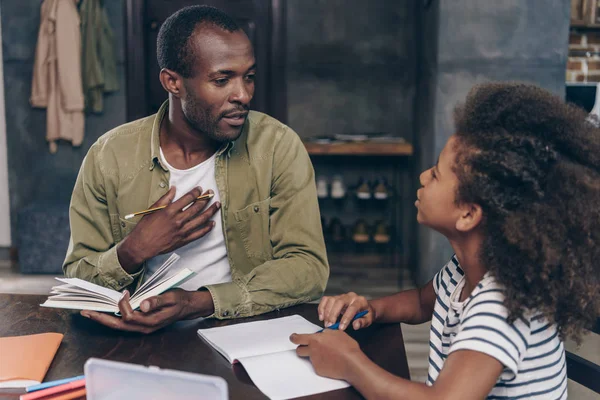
(155, 143)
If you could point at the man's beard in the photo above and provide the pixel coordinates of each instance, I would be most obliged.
(201, 120)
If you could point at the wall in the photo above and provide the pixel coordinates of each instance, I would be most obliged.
(5, 239)
(34, 173)
(480, 41)
(350, 66)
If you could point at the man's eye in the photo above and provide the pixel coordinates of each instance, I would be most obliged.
(433, 175)
(250, 77)
(221, 81)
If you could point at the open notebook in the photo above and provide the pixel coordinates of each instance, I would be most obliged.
(78, 294)
(24, 360)
(265, 351)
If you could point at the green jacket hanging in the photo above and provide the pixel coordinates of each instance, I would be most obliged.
(98, 63)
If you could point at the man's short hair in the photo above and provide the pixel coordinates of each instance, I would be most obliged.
(173, 50)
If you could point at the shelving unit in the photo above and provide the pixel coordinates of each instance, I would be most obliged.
(393, 159)
(359, 149)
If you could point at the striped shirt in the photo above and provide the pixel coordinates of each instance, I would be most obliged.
(530, 350)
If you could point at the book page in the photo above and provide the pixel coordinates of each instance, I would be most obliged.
(92, 288)
(284, 375)
(256, 338)
(161, 286)
(159, 275)
(68, 304)
(79, 294)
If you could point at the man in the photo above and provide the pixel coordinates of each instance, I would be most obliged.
(258, 245)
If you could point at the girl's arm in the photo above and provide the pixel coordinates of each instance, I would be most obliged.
(466, 375)
(411, 306)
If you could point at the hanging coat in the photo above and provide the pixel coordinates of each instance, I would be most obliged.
(99, 64)
(56, 83)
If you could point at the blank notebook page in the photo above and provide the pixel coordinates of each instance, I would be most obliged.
(270, 359)
(256, 338)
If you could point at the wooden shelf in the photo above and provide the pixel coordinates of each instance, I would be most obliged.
(359, 149)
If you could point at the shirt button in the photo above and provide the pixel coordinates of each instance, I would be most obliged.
(162, 185)
(256, 209)
(225, 313)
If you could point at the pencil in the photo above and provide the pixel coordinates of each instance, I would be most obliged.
(65, 388)
(47, 385)
(151, 210)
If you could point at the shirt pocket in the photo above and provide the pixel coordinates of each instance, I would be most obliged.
(253, 225)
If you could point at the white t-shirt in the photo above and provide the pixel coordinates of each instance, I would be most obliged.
(206, 256)
(530, 350)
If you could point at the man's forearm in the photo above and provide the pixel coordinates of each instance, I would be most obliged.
(199, 304)
(129, 258)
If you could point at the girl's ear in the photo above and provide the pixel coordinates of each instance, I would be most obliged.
(470, 217)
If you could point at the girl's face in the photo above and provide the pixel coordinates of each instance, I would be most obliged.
(436, 203)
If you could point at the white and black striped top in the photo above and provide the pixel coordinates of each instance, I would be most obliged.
(530, 350)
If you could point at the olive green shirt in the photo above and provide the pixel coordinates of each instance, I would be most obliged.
(270, 213)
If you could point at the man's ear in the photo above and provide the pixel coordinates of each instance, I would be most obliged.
(171, 81)
(470, 217)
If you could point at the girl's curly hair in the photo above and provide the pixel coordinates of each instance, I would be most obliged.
(532, 163)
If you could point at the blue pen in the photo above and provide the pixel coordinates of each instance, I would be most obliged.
(47, 385)
(337, 324)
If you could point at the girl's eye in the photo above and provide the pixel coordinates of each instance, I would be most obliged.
(433, 175)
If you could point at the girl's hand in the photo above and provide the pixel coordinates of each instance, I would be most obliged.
(329, 351)
(347, 305)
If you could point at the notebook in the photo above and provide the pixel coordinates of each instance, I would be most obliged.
(265, 351)
(24, 360)
(78, 294)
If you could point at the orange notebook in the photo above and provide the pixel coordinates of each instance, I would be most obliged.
(24, 360)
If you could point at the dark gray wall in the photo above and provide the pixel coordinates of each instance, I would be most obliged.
(479, 41)
(350, 66)
(34, 173)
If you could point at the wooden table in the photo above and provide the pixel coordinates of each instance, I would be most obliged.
(176, 347)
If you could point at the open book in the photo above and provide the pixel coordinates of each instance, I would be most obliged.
(24, 360)
(78, 294)
(270, 359)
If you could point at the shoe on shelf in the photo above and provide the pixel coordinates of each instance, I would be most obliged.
(338, 190)
(322, 192)
(381, 190)
(337, 231)
(363, 190)
(360, 233)
(382, 233)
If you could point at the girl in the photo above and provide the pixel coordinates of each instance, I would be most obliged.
(517, 193)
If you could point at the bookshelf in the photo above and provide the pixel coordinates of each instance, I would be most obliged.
(360, 149)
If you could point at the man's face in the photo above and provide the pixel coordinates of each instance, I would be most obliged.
(216, 99)
(436, 198)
